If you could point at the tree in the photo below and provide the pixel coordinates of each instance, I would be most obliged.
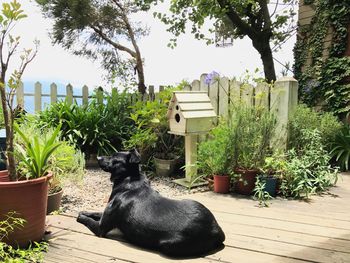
(98, 29)
(10, 14)
(236, 19)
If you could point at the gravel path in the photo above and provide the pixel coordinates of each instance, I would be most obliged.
(93, 192)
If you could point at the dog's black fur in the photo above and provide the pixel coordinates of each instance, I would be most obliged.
(176, 228)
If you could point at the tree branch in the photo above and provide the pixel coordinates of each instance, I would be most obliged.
(236, 20)
(111, 42)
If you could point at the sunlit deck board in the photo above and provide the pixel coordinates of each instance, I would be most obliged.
(287, 231)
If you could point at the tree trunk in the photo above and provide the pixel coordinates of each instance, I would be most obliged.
(262, 45)
(140, 74)
(8, 119)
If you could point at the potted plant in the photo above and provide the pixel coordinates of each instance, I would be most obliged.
(28, 195)
(151, 136)
(213, 158)
(251, 130)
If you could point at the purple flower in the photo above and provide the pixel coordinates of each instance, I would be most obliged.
(210, 77)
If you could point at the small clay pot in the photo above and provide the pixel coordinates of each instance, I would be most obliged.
(221, 184)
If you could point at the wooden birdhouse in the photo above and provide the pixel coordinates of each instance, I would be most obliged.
(190, 112)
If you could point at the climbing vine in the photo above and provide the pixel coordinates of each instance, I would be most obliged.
(324, 81)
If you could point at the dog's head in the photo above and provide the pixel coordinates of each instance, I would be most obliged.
(120, 164)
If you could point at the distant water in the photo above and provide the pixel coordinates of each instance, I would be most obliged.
(45, 101)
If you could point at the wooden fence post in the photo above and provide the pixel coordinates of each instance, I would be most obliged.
(151, 93)
(85, 94)
(53, 95)
(284, 99)
(20, 95)
(37, 96)
(224, 95)
(69, 97)
(99, 95)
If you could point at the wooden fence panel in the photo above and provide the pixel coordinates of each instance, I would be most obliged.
(224, 95)
(53, 93)
(214, 95)
(20, 95)
(85, 93)
(247, 94)
(262, 95)
(196, 85)
(203, 86)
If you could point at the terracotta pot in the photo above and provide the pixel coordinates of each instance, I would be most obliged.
(246, 184)
(4, 176)
(29, 199)
(54, 201)
(221, 184)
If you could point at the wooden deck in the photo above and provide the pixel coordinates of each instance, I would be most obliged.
(288, 231)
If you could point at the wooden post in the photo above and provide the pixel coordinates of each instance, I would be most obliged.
(191, 157)
(69, 96)
(151, 93)
(20, 95)
(85, 95)
(99, 95)
(37, 97)
(196, 85)
(203, 85)
(284, 99)
(262, 95)
(53, 95)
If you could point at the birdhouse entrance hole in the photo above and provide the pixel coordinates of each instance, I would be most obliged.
(177, 117)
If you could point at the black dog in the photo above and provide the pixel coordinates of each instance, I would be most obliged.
(176, 228)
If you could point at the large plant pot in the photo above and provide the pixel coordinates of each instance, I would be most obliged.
(221, 184)
(246, 184)
(4, 176)
(91, 162)
(271, 185)
(165, 168)
(54, 201)
(29, 199)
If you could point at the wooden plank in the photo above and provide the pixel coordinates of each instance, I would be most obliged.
(195, 106)
(69, 92)
(262, 95)
(203, 85)
(37, 96)
(75, 255)
(224, 93)
(112, 248)
(196, 85)
(247, 94)
(214, 95)
(235, 91)
(85, 95)
(53, 91)
(151, 93)
(192, 97)
(20, 95)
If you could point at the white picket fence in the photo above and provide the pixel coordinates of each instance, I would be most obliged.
(282, 97)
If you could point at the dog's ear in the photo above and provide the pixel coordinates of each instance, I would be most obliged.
(135, 157)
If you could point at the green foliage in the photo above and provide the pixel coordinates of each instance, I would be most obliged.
(323, 80)
(307, 170)
(151, 136)
(304, 118)
(36, 151)
(230, 19)
(8, 254)
(251, 129)
(94, 128)
(213, 154)
(340, 147)
(100, 30)
(260, 193)
(66, 164)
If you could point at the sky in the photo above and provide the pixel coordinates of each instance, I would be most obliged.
(163, 65)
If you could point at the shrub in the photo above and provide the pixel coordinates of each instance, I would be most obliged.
(213, 154)
(307, 171)
(94, 128)
(251, 130)
(151, 136)
(340, 147)
(66, 163)
(305, 118)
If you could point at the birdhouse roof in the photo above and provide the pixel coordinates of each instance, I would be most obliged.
(192, 104)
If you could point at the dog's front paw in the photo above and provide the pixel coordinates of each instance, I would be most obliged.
(80, 217)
